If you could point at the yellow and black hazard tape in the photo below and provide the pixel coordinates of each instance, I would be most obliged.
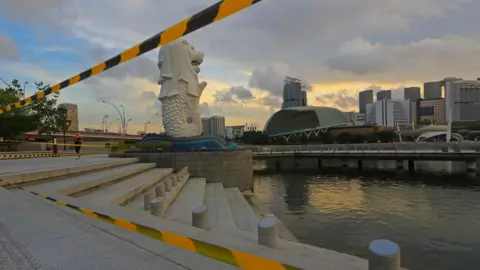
(201, 19)
(39, 155)
(237, 258)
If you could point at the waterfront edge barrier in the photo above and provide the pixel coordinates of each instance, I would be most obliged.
(22, 156)
(214, 13)
(233, 257)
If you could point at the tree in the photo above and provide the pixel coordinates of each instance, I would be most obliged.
(344, 137)
(16, 121)
(41, 115)
(51, 119)
(386, 136)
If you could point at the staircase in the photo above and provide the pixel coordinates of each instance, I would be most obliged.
(124, 187)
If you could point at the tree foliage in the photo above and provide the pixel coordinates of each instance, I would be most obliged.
(42, 115)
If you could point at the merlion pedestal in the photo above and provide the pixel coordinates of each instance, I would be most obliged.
(180, 93)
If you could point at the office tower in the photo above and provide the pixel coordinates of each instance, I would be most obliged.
(412, 93)
(206, 126)
(430, 110)
(217, 125)
(432, 90)
(391, 113)
(384, 94)
(462, 97)
(364, 98)
(72, 115)
(304, 98)
(292, 93)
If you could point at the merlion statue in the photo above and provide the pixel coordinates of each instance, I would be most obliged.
(180, 91)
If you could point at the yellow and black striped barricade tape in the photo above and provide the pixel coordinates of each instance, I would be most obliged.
(212, 14)
(237, 258)
(39, 155)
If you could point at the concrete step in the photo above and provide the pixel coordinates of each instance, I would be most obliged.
(83, 182)
(219, 214)
(190, 197)
(122, 192)
(138, 202)
(245, 218)
(15, 173)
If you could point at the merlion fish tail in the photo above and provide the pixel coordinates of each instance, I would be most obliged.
(181, 116)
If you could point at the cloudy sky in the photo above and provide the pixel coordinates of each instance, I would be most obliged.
(339, 47)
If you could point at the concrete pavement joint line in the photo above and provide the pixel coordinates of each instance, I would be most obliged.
(19, 156)
(237, 258)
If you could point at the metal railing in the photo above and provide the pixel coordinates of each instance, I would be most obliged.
(368, 148)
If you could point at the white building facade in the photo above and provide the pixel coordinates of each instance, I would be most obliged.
(390, 113)
(462, 98)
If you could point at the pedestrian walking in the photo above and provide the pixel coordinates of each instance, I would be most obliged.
(77, 141)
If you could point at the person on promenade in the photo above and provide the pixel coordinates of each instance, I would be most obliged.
(77, 141)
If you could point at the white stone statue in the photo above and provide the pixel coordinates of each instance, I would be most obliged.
(180, 91)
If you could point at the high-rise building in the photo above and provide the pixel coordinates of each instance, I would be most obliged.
(462, 98)
(384, 94)
(391, 113)
(304, 98)
(206, 126)
(432, 90)
(292, 93)
(431, 110)
(72, 115)
(412, 93)
(364, 98)
(217, 125)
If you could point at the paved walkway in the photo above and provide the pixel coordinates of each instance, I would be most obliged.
(36, 234)
(11, 166)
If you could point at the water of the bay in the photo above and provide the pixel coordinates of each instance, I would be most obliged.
(437, 225)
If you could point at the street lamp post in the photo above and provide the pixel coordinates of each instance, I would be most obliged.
(24, 93)
(145, 128)
(119, 113)
(104, 123)
(5, 82)
(118, 119)
(126, 126)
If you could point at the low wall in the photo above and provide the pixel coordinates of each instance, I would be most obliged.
(232, 168)
(291, 164)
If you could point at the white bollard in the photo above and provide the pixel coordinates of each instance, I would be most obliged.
(160, 190)
(157, 207)
(174, 180)
(168, 184)
(383, 255)
(199, 217)
(268, 231)
(146, 200)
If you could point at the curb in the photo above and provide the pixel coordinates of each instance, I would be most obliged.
(23, 156)
(236, 258)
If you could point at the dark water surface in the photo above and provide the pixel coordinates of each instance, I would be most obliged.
(436, 226)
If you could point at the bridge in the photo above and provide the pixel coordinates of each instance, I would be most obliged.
(397, 155)
(88, 135)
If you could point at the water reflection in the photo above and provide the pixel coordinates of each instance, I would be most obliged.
(438, 227)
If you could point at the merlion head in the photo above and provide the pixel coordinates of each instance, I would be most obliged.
(179, 60)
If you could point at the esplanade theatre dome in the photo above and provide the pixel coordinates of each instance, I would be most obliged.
(300, 118)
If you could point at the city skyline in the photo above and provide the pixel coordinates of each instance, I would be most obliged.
(62, 38)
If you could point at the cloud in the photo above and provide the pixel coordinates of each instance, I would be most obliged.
(344, 99)
(430, 58)
(234, 94)
(8, 48)
(140, 67)
(52, 14)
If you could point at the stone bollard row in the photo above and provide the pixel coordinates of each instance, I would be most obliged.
(147, 198)
(199, 217)
(268, 232)
(383, 255)
(157, 207)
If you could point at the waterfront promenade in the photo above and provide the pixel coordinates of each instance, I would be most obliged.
(95, 218)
